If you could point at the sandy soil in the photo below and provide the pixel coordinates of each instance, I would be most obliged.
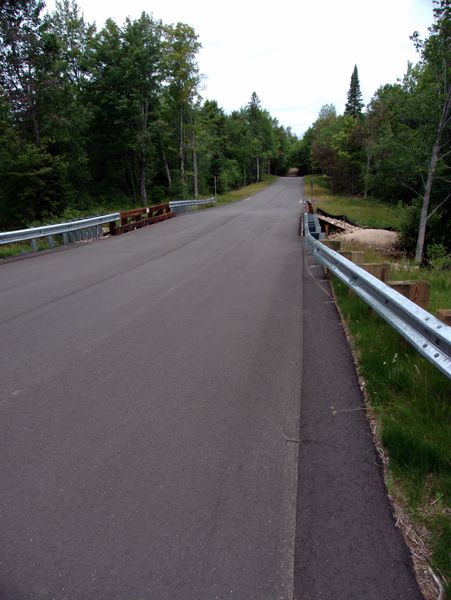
(375, 238)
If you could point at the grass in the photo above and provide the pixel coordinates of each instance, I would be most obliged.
(245, 192)
(367, 212)
(11, 250)
(409, 398)
(411, 403)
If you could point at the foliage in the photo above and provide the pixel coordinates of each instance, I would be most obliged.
(438, 231)
(354, 102)
(438, 258)
(368, 212)
(398, 149)
(90, 118)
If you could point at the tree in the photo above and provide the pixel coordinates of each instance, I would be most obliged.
(436, 53)
(74, 35)
(20, 54)
(354, 102)
(66, 116)
(182, 75)
(123, 93)
(396, 140)
(34, 170)
(107, 117)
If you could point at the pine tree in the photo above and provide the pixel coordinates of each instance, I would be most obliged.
(354, 104)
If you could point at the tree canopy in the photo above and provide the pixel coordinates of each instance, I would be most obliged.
(398, 149)
(93, 118)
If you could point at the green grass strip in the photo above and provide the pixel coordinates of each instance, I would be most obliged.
(411, 403)
(367, 212)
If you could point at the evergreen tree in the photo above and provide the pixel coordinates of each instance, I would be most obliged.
(354, 104)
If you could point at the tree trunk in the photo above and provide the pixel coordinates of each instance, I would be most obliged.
(182, 154)
(258, 170)
(132, 173)
(430, 179)
(367, 174)
(34, 117)
(195, 170)
(142, 181)
(166, 168)
(142, 158)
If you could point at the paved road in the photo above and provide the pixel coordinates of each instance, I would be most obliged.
(165, 422)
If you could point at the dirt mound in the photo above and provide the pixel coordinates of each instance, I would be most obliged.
(375, 238)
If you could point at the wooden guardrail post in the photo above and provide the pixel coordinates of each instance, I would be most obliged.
(355, 256)
(415, 290)
(444, 314)
(333, 244)
(379, 270)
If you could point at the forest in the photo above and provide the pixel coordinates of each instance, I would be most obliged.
(398, 149)
(115, 117)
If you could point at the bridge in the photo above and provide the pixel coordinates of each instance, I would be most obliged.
(181, 420)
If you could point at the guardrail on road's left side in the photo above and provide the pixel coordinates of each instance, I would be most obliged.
(72, 231)
(183, 206)
(84, 229)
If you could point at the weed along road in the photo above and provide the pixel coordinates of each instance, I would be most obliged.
(180, 420)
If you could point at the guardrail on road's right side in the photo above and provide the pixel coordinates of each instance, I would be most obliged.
(427, 334)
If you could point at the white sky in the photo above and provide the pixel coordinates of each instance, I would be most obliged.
(297, 55)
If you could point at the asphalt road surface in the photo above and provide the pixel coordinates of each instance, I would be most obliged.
(166, 421)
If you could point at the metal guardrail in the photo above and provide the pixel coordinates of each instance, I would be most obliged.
(427, 334)
(87, 228)
(183, 206)
(71, 231)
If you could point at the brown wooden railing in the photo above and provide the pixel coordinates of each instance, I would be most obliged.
(141, 217)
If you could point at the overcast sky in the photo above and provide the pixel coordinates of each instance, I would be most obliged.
(297, 55)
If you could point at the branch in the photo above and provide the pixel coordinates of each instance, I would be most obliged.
(411, 189)
(422, 179)
(437, 207)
